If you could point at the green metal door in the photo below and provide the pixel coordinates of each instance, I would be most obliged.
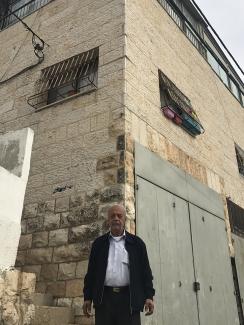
(148, 212)
(163, 220)
(216, 299)
(178, 299)
(186, 245)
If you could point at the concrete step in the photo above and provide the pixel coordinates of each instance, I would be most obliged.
(42, 299)
(53, 315)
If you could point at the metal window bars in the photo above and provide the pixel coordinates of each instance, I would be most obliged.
(236, 214)
(77, 74)
(184, 26)
(200, 43)
(178, 107)
(19, 8)
(240, 159)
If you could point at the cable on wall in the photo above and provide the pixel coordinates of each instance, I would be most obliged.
(38, 44)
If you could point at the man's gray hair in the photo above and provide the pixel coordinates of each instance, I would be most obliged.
(117, 205)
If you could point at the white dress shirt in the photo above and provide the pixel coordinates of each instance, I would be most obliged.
(117, 274)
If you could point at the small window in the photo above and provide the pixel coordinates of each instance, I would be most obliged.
(223, 76)
(242, 98)
(240, 159)
(213, 62)
(218, 68)
(177, 107)
(234, 89)
(19, 8)
(236, 214)
(76, 75)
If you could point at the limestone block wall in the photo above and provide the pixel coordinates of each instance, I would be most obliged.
(16, 291)
(154, 41)
(77, 167)
(15, 155)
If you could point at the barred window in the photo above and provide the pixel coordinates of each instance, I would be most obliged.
(240, 159)
(177, 107)
(11, 9)
(76, 75)
(236, 214)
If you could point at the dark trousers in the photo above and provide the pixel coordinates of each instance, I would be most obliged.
(115, 309)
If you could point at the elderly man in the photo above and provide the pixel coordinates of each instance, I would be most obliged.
(119, 277)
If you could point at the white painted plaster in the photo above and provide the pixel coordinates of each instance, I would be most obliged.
(12, 193)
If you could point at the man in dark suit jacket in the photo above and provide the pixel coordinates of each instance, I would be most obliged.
(119, 277)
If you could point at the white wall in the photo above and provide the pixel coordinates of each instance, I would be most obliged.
(15, 155)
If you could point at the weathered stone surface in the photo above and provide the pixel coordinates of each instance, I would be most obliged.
(58, 237)
(77, 306)
(40, 239)
(110, 177)
(83, 320)
(81, 269)
(12, 282)
(64, 302)
(25, 242)
(78, 216)
(51, 221)
(89, 213)
(121, 175)
(49, 272)
(66, 271)
(16, 289)
(10, 314)
(39, 256)
(46, 207)
(36, 269)
(71, 252)
(57, 289)
(62, 204)
(30, 210)
(112, 193)
(76, 201)
(108, 162)
(23, 226)
(121, 142)
(27, 285)
(74, 288)
(84, 233)
(92, 197)
(20, 259)
(41, 287)
(103, 211)
(130, 143)
(2, 288)
(34, 224)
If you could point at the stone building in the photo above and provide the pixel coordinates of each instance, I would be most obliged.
(132, 102)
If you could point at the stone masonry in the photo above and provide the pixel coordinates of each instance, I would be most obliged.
(83, 151)
(16, 289)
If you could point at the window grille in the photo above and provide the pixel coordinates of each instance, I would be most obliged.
(19, 8)
(177, 107)
(191, 35)
(72, 76)
(240, 159)
(196, 33)
(236, 215)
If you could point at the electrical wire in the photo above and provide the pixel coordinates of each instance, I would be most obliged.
(38, 44)
(22, 71)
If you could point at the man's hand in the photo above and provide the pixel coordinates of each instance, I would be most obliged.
(149, 307)
(87, 308)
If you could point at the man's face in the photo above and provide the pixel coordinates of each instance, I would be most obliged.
(116, 220)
